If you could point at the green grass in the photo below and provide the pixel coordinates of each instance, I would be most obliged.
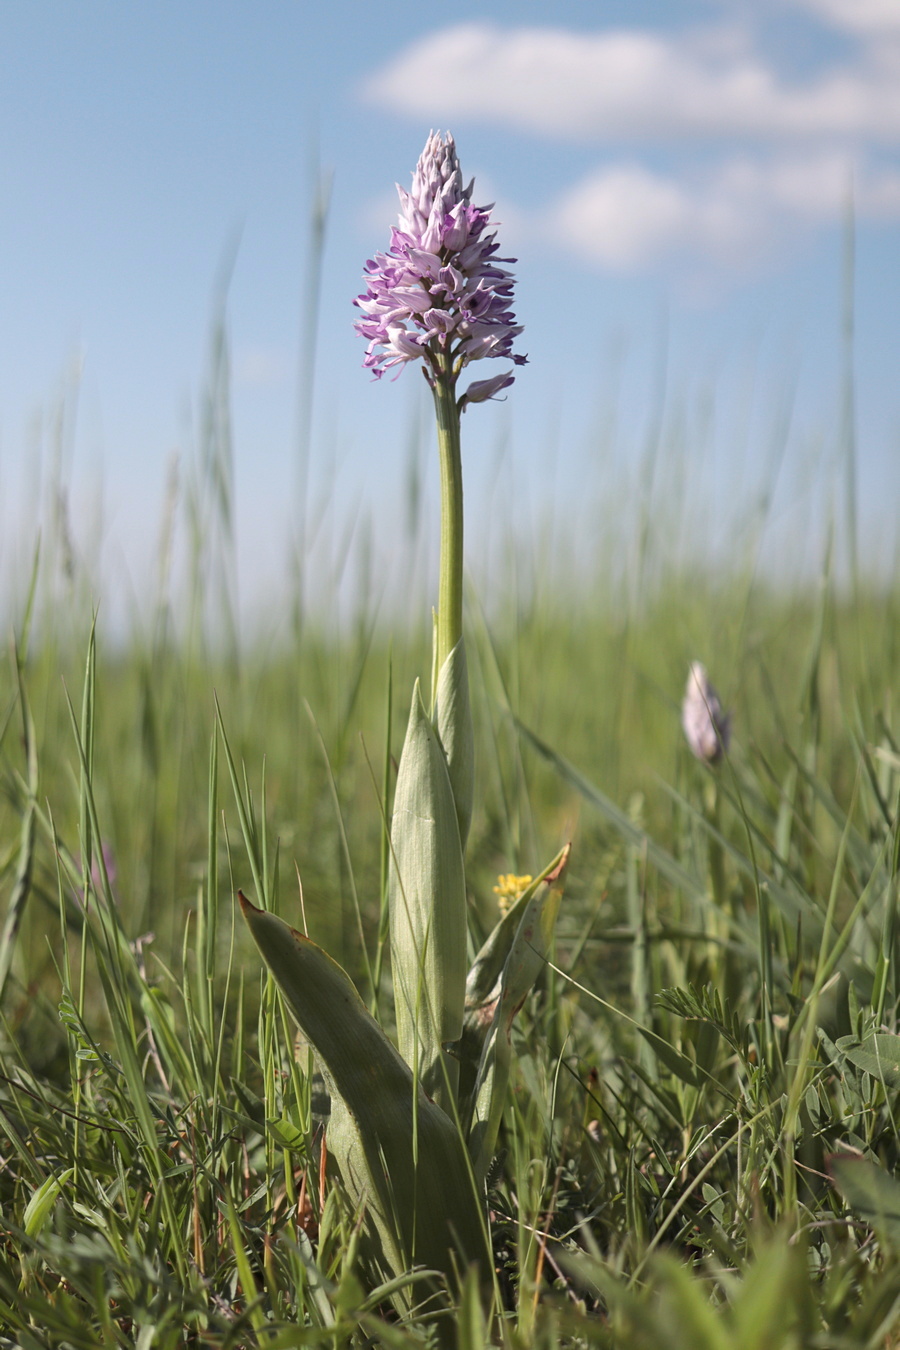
(701, 1134)
(704, 1082)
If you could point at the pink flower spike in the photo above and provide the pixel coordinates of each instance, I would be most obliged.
(438, 291)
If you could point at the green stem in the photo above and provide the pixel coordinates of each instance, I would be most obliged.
(449, 617)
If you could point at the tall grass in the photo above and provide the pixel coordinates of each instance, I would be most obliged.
(701, 1134)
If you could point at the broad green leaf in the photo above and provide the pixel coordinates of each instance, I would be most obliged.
(453, 721)
(871, 1192)
(672, 1310)
(773, 1307)
(400, 1158)
(427, 909)
(483, 981)
(677, 1063)
(684, 1311)
(482, 993)
(878, 1055)
(287, 1133)
(523, 964)
(487, 967)
(40, 1206)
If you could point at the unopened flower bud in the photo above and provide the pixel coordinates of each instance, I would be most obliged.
(706, 726)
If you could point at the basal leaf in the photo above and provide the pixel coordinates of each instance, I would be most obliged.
(401, 1159)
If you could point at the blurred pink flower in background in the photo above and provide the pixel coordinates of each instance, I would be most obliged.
(706, 726)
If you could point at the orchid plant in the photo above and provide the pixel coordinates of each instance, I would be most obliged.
(413, 1128)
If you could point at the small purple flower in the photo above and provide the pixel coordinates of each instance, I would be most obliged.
(706, 727)
(438, 293)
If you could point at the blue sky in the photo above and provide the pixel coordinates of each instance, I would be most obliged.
(672, 178)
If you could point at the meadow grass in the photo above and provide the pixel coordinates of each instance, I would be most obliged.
(700, 1137)
(701, 1131)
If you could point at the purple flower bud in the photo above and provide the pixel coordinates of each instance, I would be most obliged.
(438, 290)
(480, 390)
(706, 726)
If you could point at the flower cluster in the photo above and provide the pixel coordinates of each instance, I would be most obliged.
(439, 293)
(509, 888)
(707, 727)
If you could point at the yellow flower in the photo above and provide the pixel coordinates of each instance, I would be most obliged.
(509, 888)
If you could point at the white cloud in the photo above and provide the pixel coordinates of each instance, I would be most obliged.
(790, 149)
(624, 217)
(631, 84)
(869, 18)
